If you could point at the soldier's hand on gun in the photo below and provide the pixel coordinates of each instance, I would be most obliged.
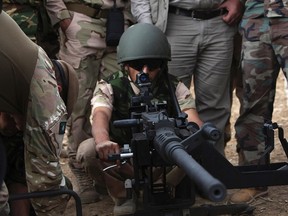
(106, 148)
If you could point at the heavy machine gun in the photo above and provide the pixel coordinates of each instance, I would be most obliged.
(163, 142)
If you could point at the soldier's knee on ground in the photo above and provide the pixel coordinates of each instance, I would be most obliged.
(87, 157)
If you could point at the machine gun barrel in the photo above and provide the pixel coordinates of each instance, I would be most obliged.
(169, 146)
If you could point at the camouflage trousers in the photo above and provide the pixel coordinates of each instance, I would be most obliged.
(46, 115)
(92, 61)
(264, 52)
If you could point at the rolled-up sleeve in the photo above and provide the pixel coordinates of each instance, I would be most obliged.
(141, 11)
(57, 11)
(184, 97)
(102, 96)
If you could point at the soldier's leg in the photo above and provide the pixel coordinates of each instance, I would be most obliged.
(86, 156)
(113, 178)
(80, 124)
(106, 66)
(80, 127)
(260, 71)
(235, 81)
(212, 78)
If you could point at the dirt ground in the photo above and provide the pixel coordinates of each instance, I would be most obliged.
(275, 204)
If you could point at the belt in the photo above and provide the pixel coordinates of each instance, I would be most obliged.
(197, 14)
(87, 10)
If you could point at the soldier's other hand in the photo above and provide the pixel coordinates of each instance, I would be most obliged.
(235, 10)
(106, 148)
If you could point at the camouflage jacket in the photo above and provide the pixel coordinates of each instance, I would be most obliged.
(116, 92)
(267, 8)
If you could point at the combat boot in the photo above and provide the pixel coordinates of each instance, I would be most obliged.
(86, 188)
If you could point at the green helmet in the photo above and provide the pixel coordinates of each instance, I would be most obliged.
(143, 41)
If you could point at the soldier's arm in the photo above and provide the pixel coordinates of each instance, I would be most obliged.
(100, 131)
(58, 13)
(141, 11)
(100, 117)
(235, 10)
(187, 103)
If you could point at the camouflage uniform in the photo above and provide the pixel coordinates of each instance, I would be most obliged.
(43, 138)
(32, 18)
(83, 46)
(29, 88)
(264, 51)
(115, 93)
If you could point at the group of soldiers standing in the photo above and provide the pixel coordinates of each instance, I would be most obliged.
(76, 32)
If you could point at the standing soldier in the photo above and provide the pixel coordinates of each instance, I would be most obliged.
(264, 52)
(84, 30)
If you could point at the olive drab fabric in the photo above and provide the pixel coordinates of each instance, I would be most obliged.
(155, 47)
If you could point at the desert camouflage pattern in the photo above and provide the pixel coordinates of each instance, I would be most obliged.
(4, 206)
(264, 52)
(45, 125)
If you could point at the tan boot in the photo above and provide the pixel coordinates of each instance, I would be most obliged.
(87, 191)
(124, 206)
(247, 195)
